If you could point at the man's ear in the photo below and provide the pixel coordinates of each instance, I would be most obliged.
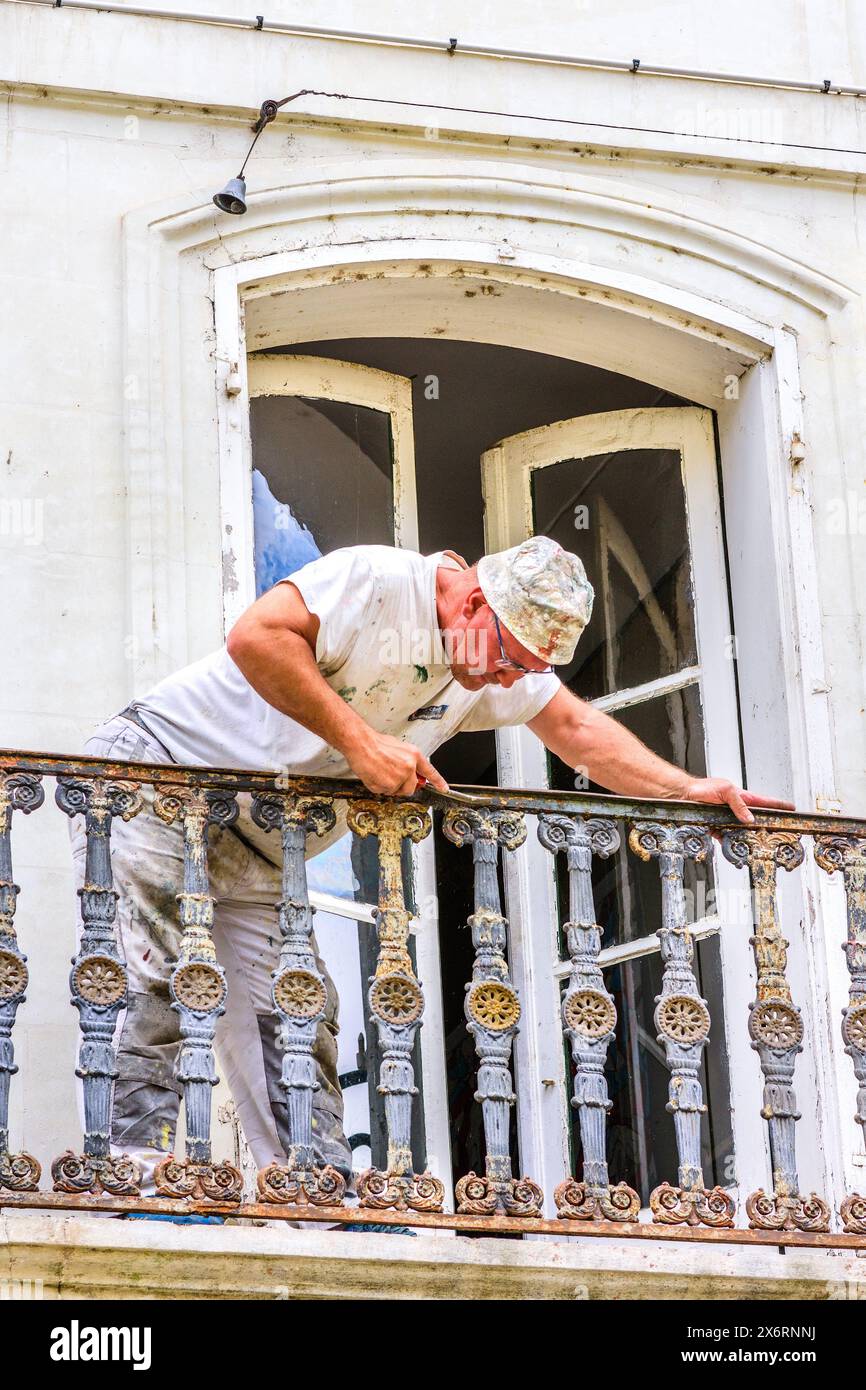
(472, 602)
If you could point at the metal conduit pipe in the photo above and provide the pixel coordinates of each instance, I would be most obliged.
(452, 46)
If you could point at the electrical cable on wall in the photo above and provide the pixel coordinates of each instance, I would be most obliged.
(232, 198)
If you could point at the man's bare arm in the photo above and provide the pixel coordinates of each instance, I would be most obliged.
(584, 737)
(274, 645)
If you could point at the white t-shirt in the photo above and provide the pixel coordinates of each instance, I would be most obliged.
(379, 647)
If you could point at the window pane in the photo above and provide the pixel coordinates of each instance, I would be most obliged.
(624, 514)
(672, 726)
(323, 478)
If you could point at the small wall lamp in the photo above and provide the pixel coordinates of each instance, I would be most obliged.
(233, 198)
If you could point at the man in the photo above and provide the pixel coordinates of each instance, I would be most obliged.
(359, 664)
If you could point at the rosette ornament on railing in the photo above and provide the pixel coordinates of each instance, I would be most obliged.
(396, 1004)
(19, 791)
(492, 1011)
(848, 854)
(98, 982)
(776, 1030)
(588, 1021)
(299, 998)
(198, 990)
(683, 1022)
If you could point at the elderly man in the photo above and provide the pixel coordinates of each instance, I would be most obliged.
(359, 664)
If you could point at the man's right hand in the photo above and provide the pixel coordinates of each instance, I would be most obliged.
(388, 765)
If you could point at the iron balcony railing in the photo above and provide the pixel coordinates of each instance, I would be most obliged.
(485, 821)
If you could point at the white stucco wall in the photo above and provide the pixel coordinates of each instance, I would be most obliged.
(110, 121)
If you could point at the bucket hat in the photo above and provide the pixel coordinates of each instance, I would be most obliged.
(541, 593)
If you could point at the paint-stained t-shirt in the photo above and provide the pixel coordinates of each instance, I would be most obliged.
(378, 646)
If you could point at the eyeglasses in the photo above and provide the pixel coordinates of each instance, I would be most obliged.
(506, 664)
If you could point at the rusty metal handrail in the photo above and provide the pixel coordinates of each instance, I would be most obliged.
(490, 821)
(532, 800)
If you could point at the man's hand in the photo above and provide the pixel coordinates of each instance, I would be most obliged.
(717, 790)
(274, 645)
(387, 765)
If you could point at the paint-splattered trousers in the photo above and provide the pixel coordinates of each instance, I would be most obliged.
(245, 879)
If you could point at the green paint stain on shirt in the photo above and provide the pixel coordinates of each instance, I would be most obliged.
(347, 692)
(421, 673)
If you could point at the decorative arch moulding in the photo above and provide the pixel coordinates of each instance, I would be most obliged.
(310, 213)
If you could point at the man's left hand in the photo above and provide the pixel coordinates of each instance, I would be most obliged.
(721, 792)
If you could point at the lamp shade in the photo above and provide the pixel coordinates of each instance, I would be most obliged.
(233, 198)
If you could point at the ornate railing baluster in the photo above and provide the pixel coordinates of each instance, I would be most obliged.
(193, 799)
(299, 997)
(198, 991)
(492, 1012)
(19, 791)
(396, 1003)
(776, 1030)
(848, 853)
(588, 1020)
(99, 982)
(683, 1022)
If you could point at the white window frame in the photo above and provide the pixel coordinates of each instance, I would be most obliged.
(324, 378)
(285, 374)
(530, 883)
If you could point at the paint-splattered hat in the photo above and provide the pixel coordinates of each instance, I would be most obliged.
(542, 595)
